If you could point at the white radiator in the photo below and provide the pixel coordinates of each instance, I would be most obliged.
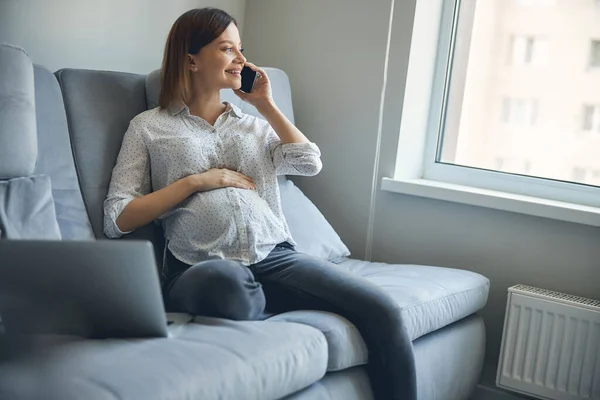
(550, 345)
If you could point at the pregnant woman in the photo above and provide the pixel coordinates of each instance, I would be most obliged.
(208, 173)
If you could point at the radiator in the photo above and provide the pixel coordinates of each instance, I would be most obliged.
(550, 345)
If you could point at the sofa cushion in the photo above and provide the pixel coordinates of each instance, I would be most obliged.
(309, 228)
(429, 298)
(55, 157)
(345, 345)
(99, 107)
(214, 359)
(18, 139)
(27, 209)
(448, 363)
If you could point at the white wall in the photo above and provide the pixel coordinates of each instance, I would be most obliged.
(325, 47)
(118, 35)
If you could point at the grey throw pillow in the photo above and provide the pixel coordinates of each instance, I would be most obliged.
(309, 228)
(27, 209)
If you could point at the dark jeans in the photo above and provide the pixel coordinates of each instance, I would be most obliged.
(290, 280)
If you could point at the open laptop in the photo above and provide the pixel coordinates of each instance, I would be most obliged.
(93, 289)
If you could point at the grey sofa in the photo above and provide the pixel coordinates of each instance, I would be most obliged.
(81, 116)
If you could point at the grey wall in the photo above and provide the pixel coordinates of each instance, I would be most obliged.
(325, 47)
(333, 52)
(119, 35)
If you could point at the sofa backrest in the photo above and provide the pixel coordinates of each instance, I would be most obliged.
(99, 106)
(18, 139)
(55, 157)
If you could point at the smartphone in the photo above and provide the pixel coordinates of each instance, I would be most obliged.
(248, 77)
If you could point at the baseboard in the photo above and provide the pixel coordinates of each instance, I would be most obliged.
(493, 393)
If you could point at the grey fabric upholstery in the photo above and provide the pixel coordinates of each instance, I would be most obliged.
(448, 364)
(27, 209)
(449, 360)
(214, 359)
(430, 297)
(311, 231)
(345, 345)
(350, 384)
(55, 157)
(99, 107)
(18, 138)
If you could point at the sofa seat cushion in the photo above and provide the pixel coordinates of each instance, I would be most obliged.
(345, 345)
(448, 363)
(208, 359)
(429, 298)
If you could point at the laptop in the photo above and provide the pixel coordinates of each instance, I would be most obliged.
(92, 289)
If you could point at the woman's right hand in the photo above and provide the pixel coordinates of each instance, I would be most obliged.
(217, 178)
(142, 210)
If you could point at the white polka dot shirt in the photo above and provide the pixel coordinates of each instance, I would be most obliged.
(162, 146)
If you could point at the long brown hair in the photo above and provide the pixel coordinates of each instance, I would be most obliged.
(191, 32)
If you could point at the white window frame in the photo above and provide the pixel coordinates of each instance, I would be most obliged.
(530, 111)
(534, 54)
(423, 112)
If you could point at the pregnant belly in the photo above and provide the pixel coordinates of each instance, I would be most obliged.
(218, 215)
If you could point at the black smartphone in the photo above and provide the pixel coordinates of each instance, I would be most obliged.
(248, 77)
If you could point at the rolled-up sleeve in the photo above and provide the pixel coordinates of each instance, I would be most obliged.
(294, 158)
(130, 179)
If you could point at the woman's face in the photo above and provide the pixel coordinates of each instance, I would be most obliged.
(218, 64)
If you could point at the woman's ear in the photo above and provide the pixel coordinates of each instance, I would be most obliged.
(193, 67)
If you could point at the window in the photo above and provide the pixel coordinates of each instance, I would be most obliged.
(538, 3)
(528, 51)
(498, 126)
(519, 112)
(591, 118)
(491, 110)
(595, 54)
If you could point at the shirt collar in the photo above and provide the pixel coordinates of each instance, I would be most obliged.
(177, 108)
(234, 110)
(231, 108)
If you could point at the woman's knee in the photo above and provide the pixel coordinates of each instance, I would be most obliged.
(220, 288)
(386, 323)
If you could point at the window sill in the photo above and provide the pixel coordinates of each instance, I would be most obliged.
(539, 207)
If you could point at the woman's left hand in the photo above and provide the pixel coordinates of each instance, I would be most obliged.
(261, 95)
